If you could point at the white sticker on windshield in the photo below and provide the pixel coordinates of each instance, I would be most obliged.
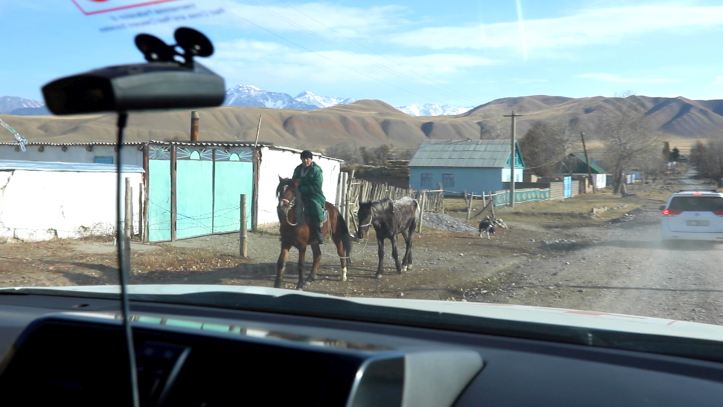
(138, 14)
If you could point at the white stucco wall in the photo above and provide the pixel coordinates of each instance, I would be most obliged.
(281, 163)
(41, 205)
(518, 174)
(600, 180)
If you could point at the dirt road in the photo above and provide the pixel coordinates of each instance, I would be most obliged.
(624, 269)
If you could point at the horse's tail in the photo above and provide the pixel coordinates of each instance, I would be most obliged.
(343, 232)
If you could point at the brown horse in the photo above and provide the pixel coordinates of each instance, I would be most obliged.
(296, 233)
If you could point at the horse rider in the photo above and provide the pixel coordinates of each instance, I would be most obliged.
(310, 178)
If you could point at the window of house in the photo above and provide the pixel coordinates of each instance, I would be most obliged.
(426, 180)
(447, 181)
(103, 159)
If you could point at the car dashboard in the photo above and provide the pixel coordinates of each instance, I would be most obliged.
(66, 349)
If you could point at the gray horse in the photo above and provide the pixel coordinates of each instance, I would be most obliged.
(390, 218)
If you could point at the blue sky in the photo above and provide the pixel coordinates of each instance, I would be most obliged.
(462, 53)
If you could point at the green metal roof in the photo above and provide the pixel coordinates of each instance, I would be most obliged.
(580, 167)
(464, 153)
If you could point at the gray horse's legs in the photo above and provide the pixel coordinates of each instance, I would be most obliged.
(395, 254)
(407, 260)
(380, 252)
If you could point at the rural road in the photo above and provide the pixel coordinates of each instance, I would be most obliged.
(623, 268)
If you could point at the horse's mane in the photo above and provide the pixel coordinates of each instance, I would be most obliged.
(283, 183)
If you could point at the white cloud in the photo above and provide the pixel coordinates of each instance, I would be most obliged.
(612, 78)
(322, 19)
(718, 80)
(588, 26)
(274, 59)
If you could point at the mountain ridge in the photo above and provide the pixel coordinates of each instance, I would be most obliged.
(372, 122)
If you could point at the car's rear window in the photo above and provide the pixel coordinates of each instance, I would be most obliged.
(696, 203)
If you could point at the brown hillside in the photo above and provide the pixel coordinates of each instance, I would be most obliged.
(372, 123)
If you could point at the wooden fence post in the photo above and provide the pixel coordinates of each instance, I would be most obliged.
(421, 210)
(141, 194)
(174, 156)
(243, 244)
(492, 205)
(128, 223)
(469, 204)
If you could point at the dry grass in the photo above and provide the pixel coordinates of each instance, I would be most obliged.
(581, 210)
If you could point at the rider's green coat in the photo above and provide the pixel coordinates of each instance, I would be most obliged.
(310, 187)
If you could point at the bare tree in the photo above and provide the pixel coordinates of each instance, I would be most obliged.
(544, 148)
(708, 160)
(345, 151)
(629, 143)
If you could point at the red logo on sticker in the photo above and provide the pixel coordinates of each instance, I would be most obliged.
(90, 7)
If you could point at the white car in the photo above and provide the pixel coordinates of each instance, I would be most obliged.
(693, 215)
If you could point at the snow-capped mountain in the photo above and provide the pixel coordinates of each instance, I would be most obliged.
(18, 105)
(311, 98)
(431, 109)
(252, 96)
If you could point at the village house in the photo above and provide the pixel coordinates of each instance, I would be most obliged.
(575, 165)
(458, 166)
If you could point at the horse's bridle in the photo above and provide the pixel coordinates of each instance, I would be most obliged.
(371, 220)
(286, 209)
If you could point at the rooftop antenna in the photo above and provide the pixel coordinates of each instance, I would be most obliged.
(22, 141)
(170, 80)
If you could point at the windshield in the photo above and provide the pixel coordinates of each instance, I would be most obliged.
(508, 152)
(699, 204)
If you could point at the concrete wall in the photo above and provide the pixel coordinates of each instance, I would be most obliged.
(42, 205)
(281, 163)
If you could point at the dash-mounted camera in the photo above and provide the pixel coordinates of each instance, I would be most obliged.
(169, 80)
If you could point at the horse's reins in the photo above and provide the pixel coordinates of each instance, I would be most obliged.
(288, 209)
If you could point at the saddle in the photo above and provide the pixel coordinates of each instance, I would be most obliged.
(301, 214)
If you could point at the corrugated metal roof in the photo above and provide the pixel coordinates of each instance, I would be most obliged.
(466, 153)
(35, 143)
(210, 143)
(6, 165)
(582, 167)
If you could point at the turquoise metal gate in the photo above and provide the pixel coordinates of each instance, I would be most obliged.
(208, 185)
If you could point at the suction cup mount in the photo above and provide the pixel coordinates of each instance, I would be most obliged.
(192, 42)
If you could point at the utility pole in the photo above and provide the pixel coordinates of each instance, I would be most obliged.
(513, 116)
(587, 161)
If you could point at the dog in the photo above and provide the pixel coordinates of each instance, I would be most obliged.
(487, 227)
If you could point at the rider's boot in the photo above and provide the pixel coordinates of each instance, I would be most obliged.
(316, 236)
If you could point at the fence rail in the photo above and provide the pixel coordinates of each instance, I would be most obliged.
(355, 191)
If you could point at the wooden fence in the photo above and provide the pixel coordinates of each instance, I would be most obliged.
(353, 191)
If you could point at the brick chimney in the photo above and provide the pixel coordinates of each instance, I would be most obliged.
(194, 125)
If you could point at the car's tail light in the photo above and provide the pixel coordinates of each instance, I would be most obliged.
(670, 212)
